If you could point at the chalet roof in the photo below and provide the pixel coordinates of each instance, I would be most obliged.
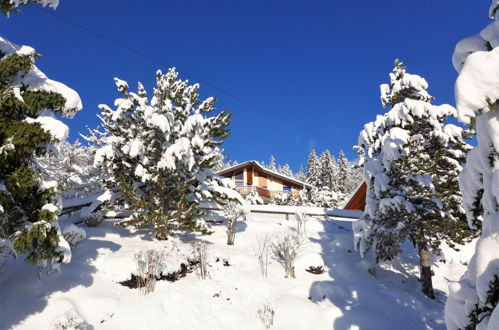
(265, 170)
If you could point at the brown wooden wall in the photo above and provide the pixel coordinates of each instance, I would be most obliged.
(358, 200)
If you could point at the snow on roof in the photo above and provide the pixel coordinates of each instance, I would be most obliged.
(266, 170)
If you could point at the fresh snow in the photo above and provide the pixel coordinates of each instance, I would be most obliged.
(346, 296)
(35, 80)
(477, 96)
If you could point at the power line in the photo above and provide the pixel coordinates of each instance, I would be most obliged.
(151, 58)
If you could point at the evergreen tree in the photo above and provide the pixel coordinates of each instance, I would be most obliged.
(328, 171)
(473, 301)
(301, 175)
(9, 6)
(404, 169)
(162, 151)
(313, 169)
(286, 170)
(28, 128)
(272, 166)
(343, 173)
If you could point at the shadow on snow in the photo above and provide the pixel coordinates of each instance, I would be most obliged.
(391, 301)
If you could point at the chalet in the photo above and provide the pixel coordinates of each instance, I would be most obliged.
(251, 176)
(358, 200)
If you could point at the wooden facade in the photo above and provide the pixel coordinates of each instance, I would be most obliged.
(358, 200)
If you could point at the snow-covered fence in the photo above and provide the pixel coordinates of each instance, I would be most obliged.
(291, 210)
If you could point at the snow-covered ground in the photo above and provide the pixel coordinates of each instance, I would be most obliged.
(345, 296)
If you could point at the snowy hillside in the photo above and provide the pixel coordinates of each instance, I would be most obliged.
(345, 296)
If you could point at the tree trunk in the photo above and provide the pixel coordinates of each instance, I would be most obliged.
(425, 268)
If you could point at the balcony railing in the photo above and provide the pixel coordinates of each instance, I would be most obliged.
(264, 192)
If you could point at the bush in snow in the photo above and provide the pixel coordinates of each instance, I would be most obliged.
(266, 313)
(285, 248)
(264, 244)
(73, 235)
(72, 167)
(93, 219)
(301, 222)
(232, 212)
(160, 154)
(149, 265)
(411, 164)
(9, 6)
(70, 320)
(254, 199)
(29, 129)
(200, 252)
(473, 302)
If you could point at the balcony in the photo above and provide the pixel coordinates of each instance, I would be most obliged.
(264, 192)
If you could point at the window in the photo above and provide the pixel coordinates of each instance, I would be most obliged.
(286, 188)
(239, 176)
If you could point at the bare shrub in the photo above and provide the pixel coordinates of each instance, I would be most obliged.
(73, 235)
(264, 244)
(93, 219)
(285, 250)
(233, 211)
(200, 251)
(149, 265)
(70, 320)
(266, 314)
(301, 222)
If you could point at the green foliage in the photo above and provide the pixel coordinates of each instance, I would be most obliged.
(482, 311)
(22, 198)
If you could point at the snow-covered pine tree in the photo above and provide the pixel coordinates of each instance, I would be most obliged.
(473, 302)
(9, 6)
(402, 167)
(343, 173)
(272, 165)
(313, 169)
(328, 170)
(286, 170)
(162, 152)
(28, 128)
(301, 175)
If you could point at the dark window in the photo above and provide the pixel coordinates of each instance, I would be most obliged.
(286, 188)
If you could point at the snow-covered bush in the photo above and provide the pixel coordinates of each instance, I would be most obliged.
(412, 160)
(254, 199)
(266, 313)
(29, 102)
(72, 167)
(70, 320)
(149, 265)
(285, 248)
(160, 154)
(264, 244)
(93, 219)
(73, 235)
(301, 222)
(473, 302)
(200, 252)
(232, 212)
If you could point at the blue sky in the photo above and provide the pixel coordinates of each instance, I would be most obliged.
(315, 66)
